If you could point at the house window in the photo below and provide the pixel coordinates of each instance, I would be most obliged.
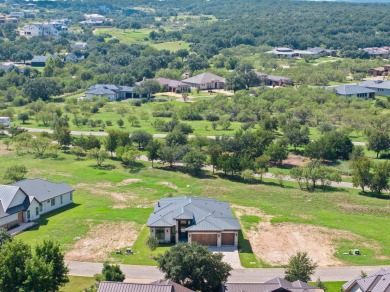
(28, 215)
(36, 211)
(53, 201)
(61, 200)
(160, 233)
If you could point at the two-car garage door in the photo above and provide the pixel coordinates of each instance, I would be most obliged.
(210, 239)
(205, 239)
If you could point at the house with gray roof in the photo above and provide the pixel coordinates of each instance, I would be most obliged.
(381, 87)
(39, 61)
(110, 91)
(192, 219)
(352, 90)
(273, 80)
(206, 81)
(26, 200)
(376, 282)
(158, 286)
(175, 86)
(276, 284)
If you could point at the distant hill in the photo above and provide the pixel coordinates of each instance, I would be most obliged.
(354, 1)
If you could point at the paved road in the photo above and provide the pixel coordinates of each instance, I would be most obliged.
(148, 273)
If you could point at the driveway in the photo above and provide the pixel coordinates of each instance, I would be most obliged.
(230, 255)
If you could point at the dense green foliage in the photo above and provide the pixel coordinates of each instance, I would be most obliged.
(300, 267)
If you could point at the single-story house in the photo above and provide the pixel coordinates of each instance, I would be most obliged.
(26, 200)
(173, 85)
(273, 80)
(291, 53)
(382, 52)
(381, 87)
(39, 61)
(380, 71)
(376, 282)
(206, 81)
(6, 121)
(79, 46)
(192, 219)
(158, 286)
(72, 57)
(350, 90)
(110, 91)
(276, 284)
(7, 67)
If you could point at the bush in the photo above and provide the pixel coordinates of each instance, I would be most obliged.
(15, 173)
(162, 114)
(212, 117)
(137, 102)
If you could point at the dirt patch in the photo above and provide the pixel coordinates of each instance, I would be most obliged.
(103, 239)
(168, 185)
(3, 150)
(365, 209)
(295, 160)
(128, 182)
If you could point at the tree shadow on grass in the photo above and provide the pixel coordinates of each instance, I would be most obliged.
(238, 179)
(104, 166)
(135, 168)
(200, 175)
(375, 195)
(44, 219)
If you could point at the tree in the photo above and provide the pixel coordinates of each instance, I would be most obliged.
(378, 141)
(51, 254)
(133, 120)
(194, 161)
(298, 137)
(380, 177)
(152, 243)
(4, 236)
(98, 154)
(300, 267)
(62, 135)
(277, 152)
(15, 172)
(184, 96)
(40, 145)
(176, 138)
(214, 151)
(40, 88)
(361, 175)
(279, 175)
(77, 151)
(199, 141)
(120, 123)
(23, 116)
(261, 164)
(38, 275)
(148, 88)
(247, 175)
(178, 266)
(153, 149)
(321, 285)
(13, 257)
(142, 138)
(128, 155)
(112, 273)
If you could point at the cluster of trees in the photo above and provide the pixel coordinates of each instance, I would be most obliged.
(24, 269)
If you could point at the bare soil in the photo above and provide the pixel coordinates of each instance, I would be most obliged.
(3, 150)
(103, 239)
(295, 160)
(168, 184)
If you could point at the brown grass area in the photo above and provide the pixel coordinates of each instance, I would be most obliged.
(295, 160)
(4, 151)
(168, 185)
(103, 239)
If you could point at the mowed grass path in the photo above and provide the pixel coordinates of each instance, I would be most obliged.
(341, 209)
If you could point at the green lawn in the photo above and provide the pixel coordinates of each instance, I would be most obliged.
(126, 36)
(331, 286)
(77, 284)
(172, 46)
(343, 209)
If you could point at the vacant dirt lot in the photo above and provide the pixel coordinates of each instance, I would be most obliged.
(103, 239)
(295, 160)
(275, 243)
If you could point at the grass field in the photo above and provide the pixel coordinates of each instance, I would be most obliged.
(77, 284)
(331, 286)
(335, 208)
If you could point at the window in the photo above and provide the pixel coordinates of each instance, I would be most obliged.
(71, 196)
(36, 211)
(40, 208)
(61, 199)
(160, 233)
(28, 215)
(53, 201)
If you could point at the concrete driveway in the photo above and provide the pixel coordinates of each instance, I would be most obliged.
(230, 255)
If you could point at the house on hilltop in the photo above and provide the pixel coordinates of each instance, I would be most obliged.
(350, 90)
(206, 81)
(193, 219)
(26, 200)
(112, 92)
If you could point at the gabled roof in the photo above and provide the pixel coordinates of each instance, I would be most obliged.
(131, 287)
(376, 282)
(177, 287)
(7, 194)
(100, 91)
(170, 82)
(205, 214)
(7, 67)
(348, 89)
(381, 85)
(204, 78)
(276, 284)
(43, 190)
(40, 59)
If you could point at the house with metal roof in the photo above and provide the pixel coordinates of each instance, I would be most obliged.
(276, 284)
(192, 219)
(175, 86)
(110, 91)
(273, 80)
(376, 282)
(158, 286)
(26, 200)
(39, 61)
(352, 90)
(205, 81)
